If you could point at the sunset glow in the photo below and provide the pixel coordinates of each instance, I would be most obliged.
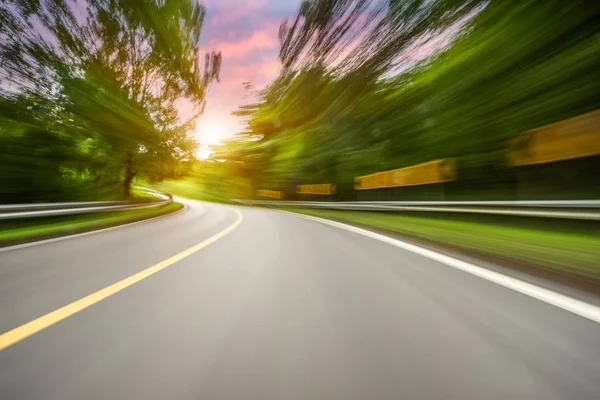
(211, 135)
(245, 32)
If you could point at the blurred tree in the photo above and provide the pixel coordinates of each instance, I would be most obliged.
(113, 72)
(373, 85)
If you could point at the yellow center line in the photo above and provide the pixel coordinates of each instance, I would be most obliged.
(30, 328)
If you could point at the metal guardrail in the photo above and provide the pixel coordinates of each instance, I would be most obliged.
(17, 211)
(57, 206)
(575, 209)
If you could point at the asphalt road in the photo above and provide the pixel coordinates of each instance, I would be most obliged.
(278, 308)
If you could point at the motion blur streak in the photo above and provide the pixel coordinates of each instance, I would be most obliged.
(507, 90)
(281, 308)
(583, 309)
(89, 93)
(16, 335)
(467, 130)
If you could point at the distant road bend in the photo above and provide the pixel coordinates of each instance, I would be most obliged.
(224, 302)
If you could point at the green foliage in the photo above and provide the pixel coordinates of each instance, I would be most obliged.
(417, 81)
(203, 182)
(92, 87)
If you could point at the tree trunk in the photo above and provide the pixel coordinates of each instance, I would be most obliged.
(129, 175)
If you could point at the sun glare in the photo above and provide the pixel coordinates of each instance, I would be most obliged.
(203, 152)
(212, 132)
(210, 135)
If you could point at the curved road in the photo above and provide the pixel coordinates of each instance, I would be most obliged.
(279, 307)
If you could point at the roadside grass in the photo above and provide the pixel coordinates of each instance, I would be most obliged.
(190, 188)
(29, 229)
(574, 251)
(138, 194)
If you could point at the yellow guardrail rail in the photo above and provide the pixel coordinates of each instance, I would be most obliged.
(421, 174)
(572, 138)
(273, 194)
(323, 188)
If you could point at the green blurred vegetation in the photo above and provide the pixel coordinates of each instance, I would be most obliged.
(562, 247)
(138, 194)
(192, 188)
(369, 86)
(89, 94)
(203, 182)
(24, 230)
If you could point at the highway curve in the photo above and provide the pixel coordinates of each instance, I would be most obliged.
(244, 303)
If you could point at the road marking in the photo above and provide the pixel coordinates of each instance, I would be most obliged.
(567, 303)
(76, 235)
(16, 335)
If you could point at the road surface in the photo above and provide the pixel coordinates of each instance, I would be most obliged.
(279, 307)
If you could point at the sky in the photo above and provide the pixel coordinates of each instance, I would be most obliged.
(245, 31)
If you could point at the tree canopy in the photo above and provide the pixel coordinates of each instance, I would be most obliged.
(97, 84)
(367, 86)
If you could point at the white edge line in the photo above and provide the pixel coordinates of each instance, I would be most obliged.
(58, 239)
(567, 303)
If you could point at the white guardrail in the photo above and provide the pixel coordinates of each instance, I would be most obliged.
(574, 209)
(17, 211)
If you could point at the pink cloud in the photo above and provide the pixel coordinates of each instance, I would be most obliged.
(231, 11)
(259, 40)
(229, 94)
(246, 34)
(259, 73)
(233, 47)
(270, 69)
